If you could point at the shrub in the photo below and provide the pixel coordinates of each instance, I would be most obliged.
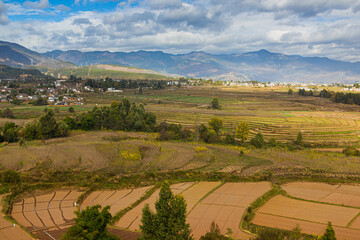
(10, 176)
(258, 141)
(351, 151)
(71, 109)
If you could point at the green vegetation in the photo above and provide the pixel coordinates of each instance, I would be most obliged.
(329, 233)
(214, 233)
(89, 72)
(90, 224)
(215, 104)
(242, 131)
(169, 221)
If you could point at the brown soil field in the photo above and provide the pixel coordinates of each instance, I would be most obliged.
(225, 206)
(342, 233)
(194, 194)
(309, 211)
(132, 219)
(341, 194)
(46, 211)
(117, 200)
(8, 231)
(237, 194)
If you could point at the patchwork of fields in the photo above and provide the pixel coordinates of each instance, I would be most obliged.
(338, 204)
(310, 205)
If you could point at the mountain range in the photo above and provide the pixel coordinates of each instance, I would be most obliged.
(259, 65)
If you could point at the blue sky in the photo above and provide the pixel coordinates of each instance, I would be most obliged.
(329, 28)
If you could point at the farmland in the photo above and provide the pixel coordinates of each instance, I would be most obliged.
(219, 181)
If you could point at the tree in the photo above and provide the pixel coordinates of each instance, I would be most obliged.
(90, 224)
(329, 233)
(299, 139)
(258, 141)
(290, 92)
(47, 127)
(242, 131)
(8, 113)
(216, 124)
(215, 103)
(71, 109)
(214, 234)
(169, 221)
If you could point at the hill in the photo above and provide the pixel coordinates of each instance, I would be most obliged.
(7, 72)
(103, 71)
(259, 65)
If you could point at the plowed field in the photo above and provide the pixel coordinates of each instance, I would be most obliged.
(341, 194)
(286, 213)
(225, 206)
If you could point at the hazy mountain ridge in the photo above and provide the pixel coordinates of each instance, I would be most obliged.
(259, 65)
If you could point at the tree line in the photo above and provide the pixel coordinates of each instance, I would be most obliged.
(337, 97)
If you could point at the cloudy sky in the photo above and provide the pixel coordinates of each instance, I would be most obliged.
(329, 28)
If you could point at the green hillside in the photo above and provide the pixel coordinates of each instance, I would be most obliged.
(85, 72)
(7, 72)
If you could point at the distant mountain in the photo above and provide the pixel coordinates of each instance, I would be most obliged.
(259, 65)
(15, 55)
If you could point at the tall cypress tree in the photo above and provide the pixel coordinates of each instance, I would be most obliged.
(169, 221)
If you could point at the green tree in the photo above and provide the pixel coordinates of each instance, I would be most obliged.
(169, 221)
(258, 141)
(8, 113)
(47, 127)
(290, 92)
(9, 132)
(71, 109)
(242, 131)
(216, 124)
(329, 233)
(299, 139)
(214, 234)
(90, 224)
(215, 103)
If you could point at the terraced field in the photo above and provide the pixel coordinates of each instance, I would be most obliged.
(9, 231)
(225, 206)
(337, 203)
(46, 212)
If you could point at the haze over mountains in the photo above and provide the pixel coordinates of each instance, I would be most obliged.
(260, 65)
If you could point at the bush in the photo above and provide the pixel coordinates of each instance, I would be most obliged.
(91, 224)
(351, 151)
(214, 233)
(230, 139)
(7, 113)
(71, 109)
(10, 176)
(258, 141)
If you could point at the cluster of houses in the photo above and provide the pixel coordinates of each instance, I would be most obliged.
(60, 95)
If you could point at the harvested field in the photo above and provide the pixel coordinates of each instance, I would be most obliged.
(132, 219)
(117, 200)
(309, 211)
(342, 233)
(286, 213)
(194, 194)
(9, 232)
(225, 206)
(46, 211)
(341, 194)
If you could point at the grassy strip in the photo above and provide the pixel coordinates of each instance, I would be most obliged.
(352, 220)
(125, 210)
(250, 211)
(82, 197)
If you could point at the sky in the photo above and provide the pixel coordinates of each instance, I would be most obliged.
(325, 28)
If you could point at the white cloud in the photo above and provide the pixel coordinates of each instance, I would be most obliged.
(324, 28)
(41, 4)
(4, 19)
